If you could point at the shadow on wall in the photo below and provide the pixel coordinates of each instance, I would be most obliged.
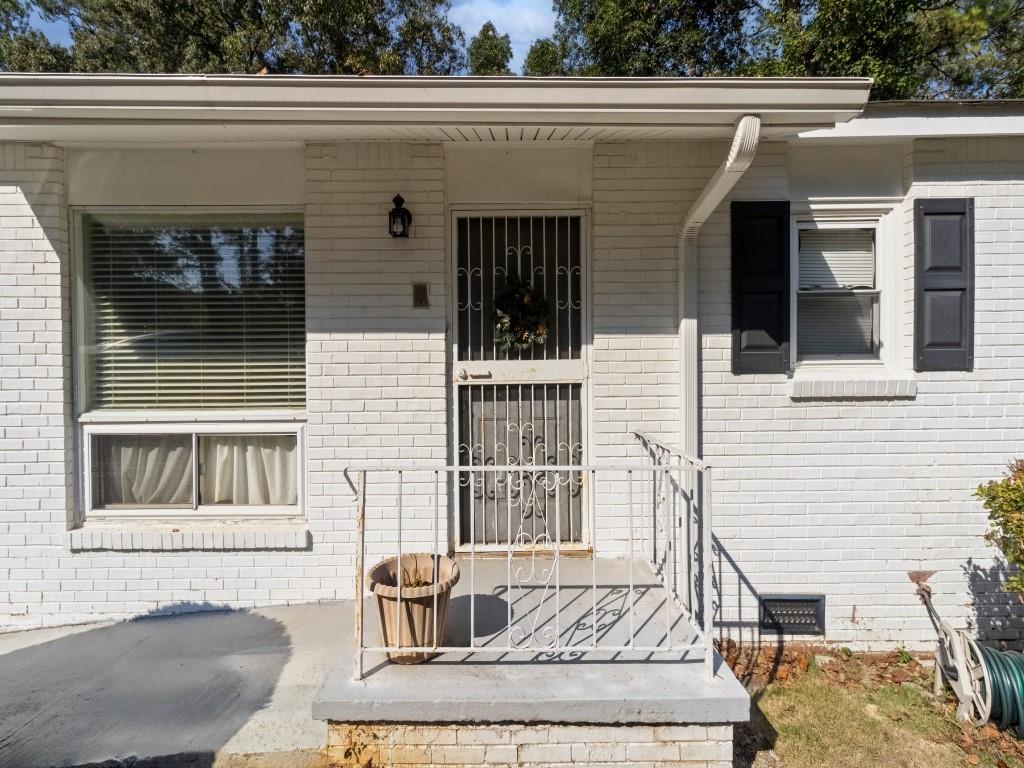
(998, 614)
(749, 649)
(164, 690)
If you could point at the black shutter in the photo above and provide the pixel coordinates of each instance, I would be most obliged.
(760, 287)
(943, 284)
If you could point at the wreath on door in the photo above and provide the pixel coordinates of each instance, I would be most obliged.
(521, 316)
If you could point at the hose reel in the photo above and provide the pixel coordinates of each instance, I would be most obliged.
(988, 683)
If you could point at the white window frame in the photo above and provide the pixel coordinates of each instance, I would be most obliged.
(170, 421)
(228, 511)
(881, 218)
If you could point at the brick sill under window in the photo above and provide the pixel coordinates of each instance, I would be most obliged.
(850, 382)
(189, 536)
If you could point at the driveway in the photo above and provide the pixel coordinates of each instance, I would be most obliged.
(208, 686)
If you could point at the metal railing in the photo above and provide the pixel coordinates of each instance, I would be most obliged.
(686, 528)
(642, 515)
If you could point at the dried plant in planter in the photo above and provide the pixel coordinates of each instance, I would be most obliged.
(1004, 501)
(418, 620)
(415, 578)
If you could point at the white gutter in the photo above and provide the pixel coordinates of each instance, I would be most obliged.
(188, 108)
(741, 154)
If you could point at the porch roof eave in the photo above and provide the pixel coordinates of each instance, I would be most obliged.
(73, 108)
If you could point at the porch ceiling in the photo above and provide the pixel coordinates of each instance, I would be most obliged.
(285, 108)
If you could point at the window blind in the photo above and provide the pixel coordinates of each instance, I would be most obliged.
(837, 258)
(195, 311)
(836, 326)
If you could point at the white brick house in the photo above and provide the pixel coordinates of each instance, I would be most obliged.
(842, 462)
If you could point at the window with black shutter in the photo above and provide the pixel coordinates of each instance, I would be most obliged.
(943, 284)
(760, 287)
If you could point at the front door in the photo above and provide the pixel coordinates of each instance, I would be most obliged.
(519, 385)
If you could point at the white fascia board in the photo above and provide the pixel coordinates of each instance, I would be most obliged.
(899, 127)
(51, 103)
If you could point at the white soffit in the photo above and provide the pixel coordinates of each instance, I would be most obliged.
(289, 108)
(897, 120)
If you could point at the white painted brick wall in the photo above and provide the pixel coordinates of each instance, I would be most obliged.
(34, 396)
(376, 366)
(641, 192)
(833, 497)
(844, 497)
(375, 383)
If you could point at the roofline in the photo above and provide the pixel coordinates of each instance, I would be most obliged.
(944, 105)
(906, 120)
(522, 80)
(49, 106)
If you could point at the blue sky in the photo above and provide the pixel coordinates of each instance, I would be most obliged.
(522, 20)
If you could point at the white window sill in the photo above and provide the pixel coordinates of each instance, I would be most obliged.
(188, 536)
(867, 383)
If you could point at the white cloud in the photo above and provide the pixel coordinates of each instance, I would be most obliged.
(522, 20)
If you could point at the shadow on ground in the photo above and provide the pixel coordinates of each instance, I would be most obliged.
(755, 657)
(155, 691)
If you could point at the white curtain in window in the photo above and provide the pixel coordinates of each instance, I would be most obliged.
(143, 470)
(248, 469)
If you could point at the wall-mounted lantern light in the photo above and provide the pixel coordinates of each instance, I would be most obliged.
(399, 220)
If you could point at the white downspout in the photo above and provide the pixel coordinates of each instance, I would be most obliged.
(741, 154)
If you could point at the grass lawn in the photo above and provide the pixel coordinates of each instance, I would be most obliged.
(856, 711)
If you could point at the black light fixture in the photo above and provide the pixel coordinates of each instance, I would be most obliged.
(399, 219)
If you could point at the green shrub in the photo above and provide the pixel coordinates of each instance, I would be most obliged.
(1004, 500)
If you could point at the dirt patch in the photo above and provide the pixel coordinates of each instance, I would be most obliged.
(836, 709)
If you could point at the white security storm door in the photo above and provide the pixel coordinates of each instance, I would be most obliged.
(519, 399)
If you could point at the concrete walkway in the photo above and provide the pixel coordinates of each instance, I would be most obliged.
(211, 685)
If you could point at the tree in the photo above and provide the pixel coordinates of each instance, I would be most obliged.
(248, 36)
(871, 38)
(169, 36)
(912, 48)
(651, 37)
(23, 49)
(974, 49)
(544, 59)
(341, 37)
(1004, 501)
(489, 52)
(432, 45)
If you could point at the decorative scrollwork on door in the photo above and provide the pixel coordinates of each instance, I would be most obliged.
(529, 426)
(532, 428)
(546, 252)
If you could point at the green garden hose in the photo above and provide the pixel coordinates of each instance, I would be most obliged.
(1005, 675)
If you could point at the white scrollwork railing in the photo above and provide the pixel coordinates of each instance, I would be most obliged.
(681, 517)
(644, 591)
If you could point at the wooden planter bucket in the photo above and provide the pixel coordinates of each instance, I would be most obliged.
(415, 627)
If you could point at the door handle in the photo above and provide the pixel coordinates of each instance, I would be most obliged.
(463, 374)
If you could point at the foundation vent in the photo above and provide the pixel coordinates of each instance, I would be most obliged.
(793, 614)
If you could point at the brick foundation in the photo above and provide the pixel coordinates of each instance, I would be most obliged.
(499, 745)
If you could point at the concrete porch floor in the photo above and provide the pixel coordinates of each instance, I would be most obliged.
(217, 684)
(575, 686)
(212, 685)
